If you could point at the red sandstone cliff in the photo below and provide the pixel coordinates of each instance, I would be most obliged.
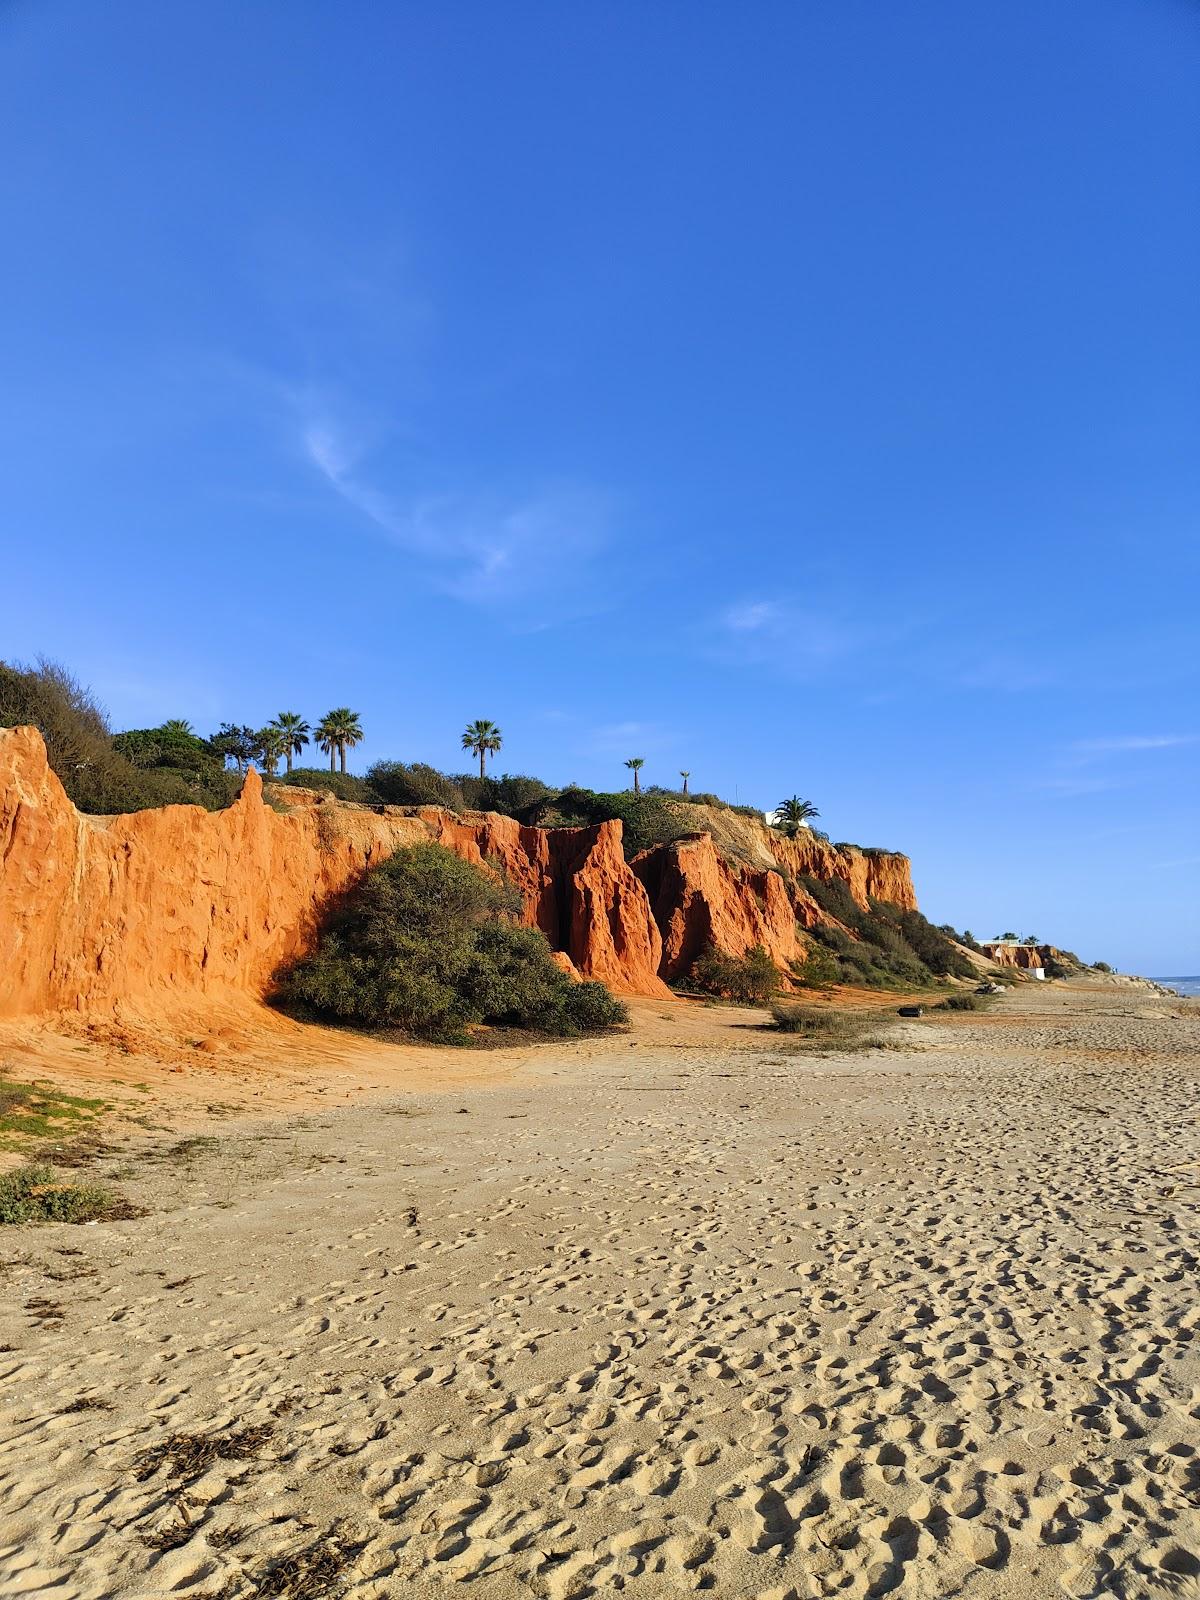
(165, 905)
(161, 907)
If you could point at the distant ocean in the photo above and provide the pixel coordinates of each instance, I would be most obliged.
(1183, 985)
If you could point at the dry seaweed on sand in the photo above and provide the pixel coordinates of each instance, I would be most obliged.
(173, 1534)
(187, 1455)
(309, 1573)
(85, 1402)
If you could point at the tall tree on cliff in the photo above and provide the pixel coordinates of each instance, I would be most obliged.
(635, 765)
(295, 730)
(483, 738)
(326, 734)
(345, 728)
(791, 814)
(685, 776)
(237, 744)
(272, 741)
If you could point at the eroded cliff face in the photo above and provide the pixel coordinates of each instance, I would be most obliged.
(700, 899)
(160, 908)
(1025, 957)
(166, 905)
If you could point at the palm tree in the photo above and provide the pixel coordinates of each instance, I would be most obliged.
(326, 735)
(347, 732)
(484, 738)
(635, 765)
(790, 814)
(295, 731)
(177, 728)
(272, 741)
(685, 776)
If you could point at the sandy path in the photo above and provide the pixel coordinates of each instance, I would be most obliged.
(647, 1319)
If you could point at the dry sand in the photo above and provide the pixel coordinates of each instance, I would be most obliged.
(687, 1311)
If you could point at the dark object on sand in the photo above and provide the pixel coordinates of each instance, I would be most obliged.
(910, 1011)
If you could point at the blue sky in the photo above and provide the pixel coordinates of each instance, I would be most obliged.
(803, 394)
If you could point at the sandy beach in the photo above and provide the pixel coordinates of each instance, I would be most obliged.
(681, 1310)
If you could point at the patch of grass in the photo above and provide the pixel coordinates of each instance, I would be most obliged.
(37, 1193)
(188, 1149)
(188, 1456)
(961, 1002)
(828, 1028)
(39, 1111)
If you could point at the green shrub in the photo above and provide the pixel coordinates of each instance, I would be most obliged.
(960, 1002)
(820, 968)
(748, 979)
(38, 1194)
(930, 945)
(425, 943)
(97, 776)
(402, 783)
(512, 795)
(646, 819)
(343, 785)
(889, 947)
(1101, 966)
(166, 747)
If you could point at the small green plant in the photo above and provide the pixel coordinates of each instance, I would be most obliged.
(960, 1002)
(1101, 966)
(38, 1193)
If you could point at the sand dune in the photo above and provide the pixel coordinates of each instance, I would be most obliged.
(650, 1316)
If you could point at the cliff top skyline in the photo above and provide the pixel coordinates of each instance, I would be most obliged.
(805, 399)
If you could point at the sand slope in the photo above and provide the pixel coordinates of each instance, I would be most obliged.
(646, 1318)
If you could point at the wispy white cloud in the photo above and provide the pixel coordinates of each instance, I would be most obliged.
(788, 635)
(479, 546)
(1095, 766)
(1130, 743)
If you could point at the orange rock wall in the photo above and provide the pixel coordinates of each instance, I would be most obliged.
(160, 907)
(164, 905)
(699, 899)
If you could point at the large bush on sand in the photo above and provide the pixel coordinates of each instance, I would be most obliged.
(426, 943)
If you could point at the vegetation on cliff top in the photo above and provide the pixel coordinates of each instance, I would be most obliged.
(884, 946)
(426, 943)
